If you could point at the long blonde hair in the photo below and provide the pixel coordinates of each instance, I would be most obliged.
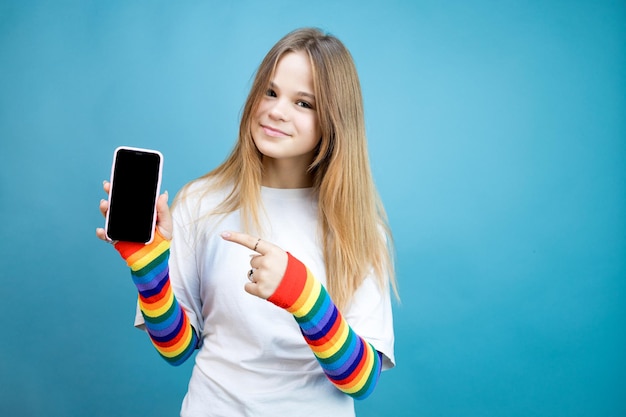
(353, 224)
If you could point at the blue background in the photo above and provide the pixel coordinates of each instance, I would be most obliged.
(497, 135)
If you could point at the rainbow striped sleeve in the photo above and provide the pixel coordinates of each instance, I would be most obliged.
(349, 362)
(167, 324)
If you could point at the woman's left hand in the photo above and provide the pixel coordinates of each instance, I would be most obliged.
(268, 268)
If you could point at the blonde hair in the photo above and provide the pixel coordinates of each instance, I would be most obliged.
(353, 224)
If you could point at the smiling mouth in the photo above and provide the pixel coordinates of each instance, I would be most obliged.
(270, 131)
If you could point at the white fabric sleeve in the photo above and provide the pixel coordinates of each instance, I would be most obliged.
(370, 316)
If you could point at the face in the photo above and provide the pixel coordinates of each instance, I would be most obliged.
(285, 125)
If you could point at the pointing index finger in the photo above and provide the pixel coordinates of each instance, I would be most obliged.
(244, 239)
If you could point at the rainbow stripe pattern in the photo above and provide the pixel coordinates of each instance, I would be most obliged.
(349, 362)
(167, 324)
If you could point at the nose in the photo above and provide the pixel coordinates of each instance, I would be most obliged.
(278, 111)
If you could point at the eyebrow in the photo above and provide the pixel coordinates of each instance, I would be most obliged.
(298, 93)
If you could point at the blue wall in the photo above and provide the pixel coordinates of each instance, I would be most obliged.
(497, 133)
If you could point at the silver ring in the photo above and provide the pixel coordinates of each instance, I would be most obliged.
(250, 272)
(257, 244)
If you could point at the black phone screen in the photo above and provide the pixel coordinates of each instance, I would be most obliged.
(134, 189)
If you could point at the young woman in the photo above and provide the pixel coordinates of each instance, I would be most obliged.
(276, 266)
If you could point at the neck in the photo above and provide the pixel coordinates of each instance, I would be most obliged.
(285, 174)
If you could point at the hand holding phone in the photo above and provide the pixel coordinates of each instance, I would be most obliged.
(135, 186)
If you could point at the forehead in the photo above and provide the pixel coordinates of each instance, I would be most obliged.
(293, 68)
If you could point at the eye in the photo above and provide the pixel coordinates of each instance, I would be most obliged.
(270, 92)
(304, 104)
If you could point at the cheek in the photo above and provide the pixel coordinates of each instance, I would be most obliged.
(314, 129)
(314, 138)
(256, 113)
(317, 133)
(261, 108)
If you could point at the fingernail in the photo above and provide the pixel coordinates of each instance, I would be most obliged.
(226, 234)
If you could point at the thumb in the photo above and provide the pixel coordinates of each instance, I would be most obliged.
(164, 216)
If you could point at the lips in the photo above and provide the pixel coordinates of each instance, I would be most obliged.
(272, 131)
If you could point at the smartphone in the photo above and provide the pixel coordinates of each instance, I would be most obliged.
(135, 187)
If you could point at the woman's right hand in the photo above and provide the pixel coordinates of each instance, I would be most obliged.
(164, 217)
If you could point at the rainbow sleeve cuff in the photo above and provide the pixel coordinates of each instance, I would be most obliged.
(349, 362)
(167, 323)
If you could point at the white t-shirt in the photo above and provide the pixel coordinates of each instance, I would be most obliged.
(253, 360)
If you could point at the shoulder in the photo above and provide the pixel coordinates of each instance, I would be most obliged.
(203, 190)
(198, 199)
(194, 207)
